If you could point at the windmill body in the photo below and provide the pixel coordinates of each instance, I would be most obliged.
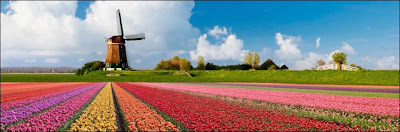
(116, 58)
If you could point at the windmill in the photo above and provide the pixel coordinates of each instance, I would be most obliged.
(116, 53)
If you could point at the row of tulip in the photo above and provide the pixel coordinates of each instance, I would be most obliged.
(24, 112)
(373, 122)
(377, 106)
(19, 103)
(138, 115)
(56, 117)
(15, 92)
(99, 115)
(382, 90)
(206, 114)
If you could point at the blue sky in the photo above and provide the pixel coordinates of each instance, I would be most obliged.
(370, 28)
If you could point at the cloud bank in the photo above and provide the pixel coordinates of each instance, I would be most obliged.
(287, 47)
(229, 47)
(45, 30)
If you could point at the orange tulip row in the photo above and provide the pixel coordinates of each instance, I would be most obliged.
(139, 115)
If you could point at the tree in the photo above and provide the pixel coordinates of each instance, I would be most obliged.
(256, 60)
(79, 72)
(339, 58)
(211, 66)
(184, 65)
(252, 59)
(248, 59)
(164, 65)
(284, 67)
(320, 63)
(200, 63)
(175, 62)
(272, 67)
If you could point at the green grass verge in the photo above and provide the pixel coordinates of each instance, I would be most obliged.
(332, 92)
(362, 77)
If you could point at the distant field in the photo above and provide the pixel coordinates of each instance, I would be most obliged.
(378, 77)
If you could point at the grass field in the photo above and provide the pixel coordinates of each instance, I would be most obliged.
(375, 77)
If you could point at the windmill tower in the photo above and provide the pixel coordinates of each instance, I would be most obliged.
(116, 53)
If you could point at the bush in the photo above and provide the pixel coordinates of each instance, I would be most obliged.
(89, 67)
(211, 66)
(185, 65)
(174, 64)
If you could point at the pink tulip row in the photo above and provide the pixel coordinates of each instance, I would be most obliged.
(56, 117)
(378, 106)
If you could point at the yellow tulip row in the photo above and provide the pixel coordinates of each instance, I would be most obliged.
(99, 115)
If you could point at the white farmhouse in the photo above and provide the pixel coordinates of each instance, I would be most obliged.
(335, 66)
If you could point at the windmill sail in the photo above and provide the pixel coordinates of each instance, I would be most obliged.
(119, 24)
(138, 36)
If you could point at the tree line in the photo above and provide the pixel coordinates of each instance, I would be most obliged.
(250, 62)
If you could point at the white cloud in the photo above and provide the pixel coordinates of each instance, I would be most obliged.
(383, 63)
(43, 29)
(311, 59)
(308, 62)
(367, 59)
(81, 60)
(231, 48)
(216, 32)
(51, 60)
(388, 63)
(264, 54)
(288, 47)
(347, 48)
(29, 60)
(317, 42)
(138, 61)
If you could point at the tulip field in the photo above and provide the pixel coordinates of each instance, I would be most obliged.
(144, 106)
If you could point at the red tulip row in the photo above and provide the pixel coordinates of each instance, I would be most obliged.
(139, 115)
(206, 114)
(12, 93)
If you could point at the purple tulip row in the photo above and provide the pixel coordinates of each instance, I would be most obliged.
(312, 87)
(56, 117)
(24, 102)
(24, 112)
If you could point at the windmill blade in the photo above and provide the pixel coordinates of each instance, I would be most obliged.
(138, 36)
(119, 24)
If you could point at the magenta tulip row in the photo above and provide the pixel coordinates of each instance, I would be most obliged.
(378, 106)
